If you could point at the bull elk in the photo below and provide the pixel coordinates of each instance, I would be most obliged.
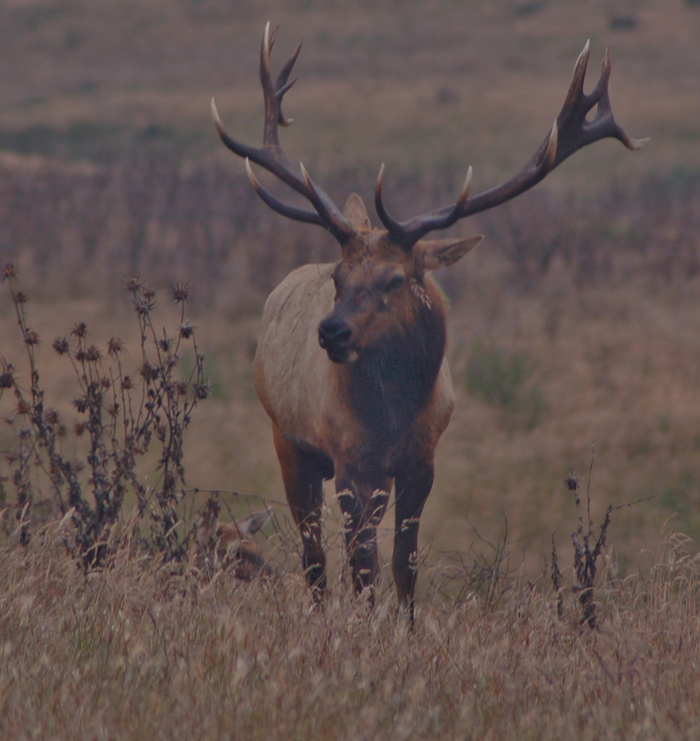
(350, 364)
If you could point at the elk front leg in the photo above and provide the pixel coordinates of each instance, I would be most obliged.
(363, 506)
(413, 484)
(303, 484)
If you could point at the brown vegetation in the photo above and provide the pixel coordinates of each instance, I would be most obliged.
(141, 650)
(575, 323)
(120, 417)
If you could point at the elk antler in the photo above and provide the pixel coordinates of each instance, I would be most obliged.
(570, 132)
(272, 157)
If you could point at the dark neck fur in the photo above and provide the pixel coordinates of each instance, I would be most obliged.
(389, 385)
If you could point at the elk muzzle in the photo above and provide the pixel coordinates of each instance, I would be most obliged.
(335, 337)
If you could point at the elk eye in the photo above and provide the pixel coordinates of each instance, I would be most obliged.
(394, 284)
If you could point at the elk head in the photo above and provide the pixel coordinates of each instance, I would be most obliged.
(225, 544)
(379, 285)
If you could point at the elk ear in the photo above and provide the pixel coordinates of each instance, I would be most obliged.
(356, 213)
(441, 253)
(251, 524)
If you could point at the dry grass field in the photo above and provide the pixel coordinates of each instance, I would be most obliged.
(139, 651)
(574, 328)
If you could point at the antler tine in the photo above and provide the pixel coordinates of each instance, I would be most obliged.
(331, 218)
(605, 69)
(272, 104)
(464, 193)
(272, 37)
(273, 94)
(575, 132)
(291, 212)
(569, 133)
(392, 225)
(282, 86)
(575, 91)
(550, 152)
(403, 233)
(601, 95)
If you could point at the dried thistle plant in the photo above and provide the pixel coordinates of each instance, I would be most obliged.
(585, 554)
(121, 416)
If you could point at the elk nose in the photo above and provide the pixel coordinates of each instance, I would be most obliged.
(333, 333)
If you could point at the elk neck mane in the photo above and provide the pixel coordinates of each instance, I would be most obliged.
(391, 383)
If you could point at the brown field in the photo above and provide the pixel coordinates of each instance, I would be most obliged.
(139, 651)
(573, 326)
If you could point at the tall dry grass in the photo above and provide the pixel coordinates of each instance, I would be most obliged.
(143, 649)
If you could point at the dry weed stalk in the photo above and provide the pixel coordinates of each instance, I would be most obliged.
(484, 572)
(585, 556)
(557, 580)
(122, 417)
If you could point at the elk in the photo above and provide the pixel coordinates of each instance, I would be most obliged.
(350, 364)
(228, 544)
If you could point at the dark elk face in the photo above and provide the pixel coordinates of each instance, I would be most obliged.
(380, 289)
(371, 298)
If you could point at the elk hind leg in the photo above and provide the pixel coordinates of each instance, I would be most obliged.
(413, 486)
(303, 484)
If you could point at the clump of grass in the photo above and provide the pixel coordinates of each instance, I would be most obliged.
(503, 379)
(484, 572)
(84, 471)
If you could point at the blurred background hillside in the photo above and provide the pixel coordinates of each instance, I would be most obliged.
(575, 323)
